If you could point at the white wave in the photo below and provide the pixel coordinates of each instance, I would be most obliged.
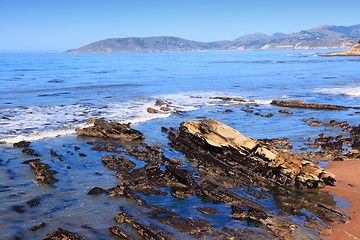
(37, 136)
(39, 122)
(263, 102)
(348, 91)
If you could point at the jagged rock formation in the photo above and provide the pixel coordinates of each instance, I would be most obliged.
(103, 129)
(354, 51)
(217, 146)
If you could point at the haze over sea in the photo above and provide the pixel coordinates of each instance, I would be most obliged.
(44, 97)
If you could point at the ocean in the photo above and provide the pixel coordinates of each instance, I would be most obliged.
(44, 97)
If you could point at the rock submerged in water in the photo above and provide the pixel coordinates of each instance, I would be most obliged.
(215, 144)
(62, 234)
(42, 171)
(104, 129)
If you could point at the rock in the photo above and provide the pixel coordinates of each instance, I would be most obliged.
(248, 110)
(42, 171)
(355, 137)
(103, 129)
(160, 103)
(165, 109)
(96, 191)
(207, 210)
(314, 124)
(53, 153)
(29, 151)
(105, 148)
(37, 227)
(152, 110)
(116, 162)
(22, 144)
(144, 231)
(82, 155)
(62, 234)
(300, 104)
(119, 232)
(269, 115)
(215, 144)
(185, 225)
(285, 111)
(33, 202)
(18, 208)
(182, 193)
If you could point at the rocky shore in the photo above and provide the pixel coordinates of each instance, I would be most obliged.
(231, 175)
(353, 51)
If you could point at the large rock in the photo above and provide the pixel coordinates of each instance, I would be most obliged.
(222, 151)
(104, 129)
(300, 104)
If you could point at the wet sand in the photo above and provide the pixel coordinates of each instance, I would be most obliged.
(347, 186)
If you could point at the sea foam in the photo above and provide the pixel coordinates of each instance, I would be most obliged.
(348, 91)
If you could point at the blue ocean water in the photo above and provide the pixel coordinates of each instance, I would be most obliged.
(44, 97)
(47, 92)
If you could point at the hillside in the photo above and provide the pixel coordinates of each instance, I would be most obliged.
(149, 44)
(322, 37)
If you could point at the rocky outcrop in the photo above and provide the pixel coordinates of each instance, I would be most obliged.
(300, 104)
(62, 234)
(354, 51)
(42, 171)
(222, 151)
(355, 138)
(104, 129)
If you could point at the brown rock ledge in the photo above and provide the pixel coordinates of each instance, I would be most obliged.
(300, 104)
(215, 144)
(104, 129)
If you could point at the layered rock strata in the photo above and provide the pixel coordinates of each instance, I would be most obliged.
(217, 146)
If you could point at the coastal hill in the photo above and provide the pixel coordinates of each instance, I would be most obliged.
(322, 37)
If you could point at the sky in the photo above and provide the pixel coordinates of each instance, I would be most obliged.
(60, 25)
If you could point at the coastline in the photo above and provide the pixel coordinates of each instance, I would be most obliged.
(347, 186)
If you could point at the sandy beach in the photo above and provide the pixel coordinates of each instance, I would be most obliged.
(347, 186)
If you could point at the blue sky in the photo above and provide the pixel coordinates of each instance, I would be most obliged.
(59, 25)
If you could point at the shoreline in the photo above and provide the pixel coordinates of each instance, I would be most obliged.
(347, 186)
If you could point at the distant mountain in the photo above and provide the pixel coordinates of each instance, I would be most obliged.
(322, 37)
(252, 36)
(326, 36)
(149, 44)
